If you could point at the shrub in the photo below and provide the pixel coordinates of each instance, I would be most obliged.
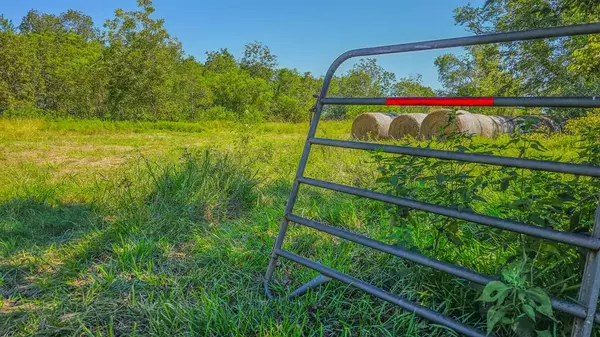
(577, 126)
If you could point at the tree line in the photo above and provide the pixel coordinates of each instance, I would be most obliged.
(567, 66)
(133, 69)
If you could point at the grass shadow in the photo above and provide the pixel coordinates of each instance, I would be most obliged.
(33, 222)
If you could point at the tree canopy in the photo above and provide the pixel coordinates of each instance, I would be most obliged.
(552, 67)
(133, 69)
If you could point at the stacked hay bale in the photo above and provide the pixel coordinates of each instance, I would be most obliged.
(530, 123)
(372, 125)
(406, 125)
(438, 123)
(523, 124)
(505, 124)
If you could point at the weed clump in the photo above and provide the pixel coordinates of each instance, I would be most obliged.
(207, 187)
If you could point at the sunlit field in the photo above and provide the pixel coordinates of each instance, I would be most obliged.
(165, 229)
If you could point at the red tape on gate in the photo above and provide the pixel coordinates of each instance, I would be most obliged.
(476, 101)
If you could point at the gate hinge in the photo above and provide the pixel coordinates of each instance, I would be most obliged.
(313, 109)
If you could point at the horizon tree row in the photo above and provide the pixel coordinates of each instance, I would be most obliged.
(133, 69)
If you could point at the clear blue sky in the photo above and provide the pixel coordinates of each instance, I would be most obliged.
(304, 34)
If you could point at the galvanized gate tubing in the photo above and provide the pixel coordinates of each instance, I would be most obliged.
(584, 312)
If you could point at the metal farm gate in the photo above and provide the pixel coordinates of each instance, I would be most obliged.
(584, 311)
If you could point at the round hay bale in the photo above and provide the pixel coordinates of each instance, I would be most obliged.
(489, 126)
(504, 124)
(525, 124)
(406, 125)
(372, 125)
(437, 124)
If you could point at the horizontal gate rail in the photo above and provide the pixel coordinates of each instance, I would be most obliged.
(384, 295)
(533, 34)
(458, 271)
(532, 164)
(554, 102)
(584, 310)
(540, 232)
(399, 252)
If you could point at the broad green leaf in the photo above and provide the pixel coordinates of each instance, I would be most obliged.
(543, 333)
(524, 327)
(479, 198)
(543, 305)
(493, 291)
(494, 315)
(529, 311)
(521, 295)
(574, 219)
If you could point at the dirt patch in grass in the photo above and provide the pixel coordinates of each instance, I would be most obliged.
(74, 157)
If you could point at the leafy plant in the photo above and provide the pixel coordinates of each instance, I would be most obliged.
(529, 266)
(514, 302)
(453, 184)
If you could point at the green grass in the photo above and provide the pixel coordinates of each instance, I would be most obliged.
(113, 229)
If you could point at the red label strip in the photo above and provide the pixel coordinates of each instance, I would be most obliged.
(477, 101)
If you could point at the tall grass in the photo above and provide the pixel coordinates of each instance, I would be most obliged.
(175, 241)
(206, 187)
